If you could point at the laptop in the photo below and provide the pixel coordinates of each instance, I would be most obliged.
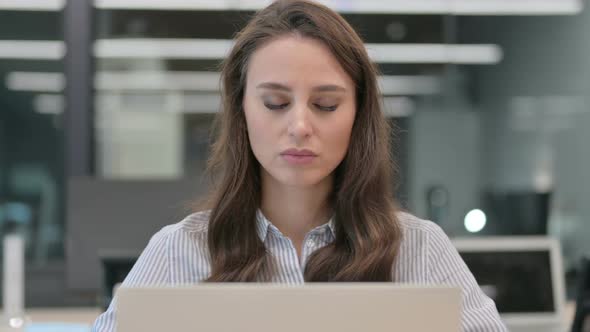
(523, 275)
(326, 307)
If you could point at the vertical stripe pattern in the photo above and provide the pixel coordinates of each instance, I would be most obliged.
(178, 255)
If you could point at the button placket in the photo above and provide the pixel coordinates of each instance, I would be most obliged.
(308, 246)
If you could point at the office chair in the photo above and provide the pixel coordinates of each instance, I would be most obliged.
(582, 318)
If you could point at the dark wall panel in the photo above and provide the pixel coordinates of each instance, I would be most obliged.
(118, 216)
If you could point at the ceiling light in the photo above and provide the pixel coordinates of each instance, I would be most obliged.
(398, 107)
(409, 85)
(163, 48)
(153, 80)
(33, 81)
(32, 5)
(32, 49)
(435, 53)
(390, 85)
(453, 7)
(219, 48)
(49, 103)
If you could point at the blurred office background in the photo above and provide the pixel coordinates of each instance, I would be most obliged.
(106, 109)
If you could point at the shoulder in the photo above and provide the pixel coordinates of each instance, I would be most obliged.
(426, 241)
(418, 232)
(412, 225)
(197, 222)
(423, 245)
(193, 224)
(428, 256)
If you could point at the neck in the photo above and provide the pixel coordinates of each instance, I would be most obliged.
(296, 210)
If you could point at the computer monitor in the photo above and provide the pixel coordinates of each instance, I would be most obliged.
(523, 275)
(516, 213)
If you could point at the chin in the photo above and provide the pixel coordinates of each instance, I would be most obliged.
(301, 180)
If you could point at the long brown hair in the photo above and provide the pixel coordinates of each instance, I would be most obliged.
(367, 231)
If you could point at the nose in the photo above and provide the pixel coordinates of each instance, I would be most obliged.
(300, 127)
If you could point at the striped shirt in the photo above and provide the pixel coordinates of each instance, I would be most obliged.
(178, 255)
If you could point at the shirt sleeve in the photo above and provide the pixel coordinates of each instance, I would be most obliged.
(151, 269)
(479, 313)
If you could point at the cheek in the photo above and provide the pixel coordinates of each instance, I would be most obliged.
(258, 132)
(338, 137)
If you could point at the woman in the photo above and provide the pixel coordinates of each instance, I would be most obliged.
(304, 175)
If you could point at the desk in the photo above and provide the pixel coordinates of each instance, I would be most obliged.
(64, 315)
(88, 315)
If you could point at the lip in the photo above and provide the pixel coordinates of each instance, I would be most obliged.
(299, 153)
(298, 157)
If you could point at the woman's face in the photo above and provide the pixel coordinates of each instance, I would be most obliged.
(300, 108)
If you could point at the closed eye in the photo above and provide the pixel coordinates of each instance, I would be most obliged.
(326, 108)
(276, 106)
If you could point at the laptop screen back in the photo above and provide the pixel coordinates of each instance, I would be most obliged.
(342, 307)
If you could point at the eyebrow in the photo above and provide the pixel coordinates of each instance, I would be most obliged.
(281, 87)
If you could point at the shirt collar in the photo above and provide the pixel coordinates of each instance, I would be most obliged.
(263, 226)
